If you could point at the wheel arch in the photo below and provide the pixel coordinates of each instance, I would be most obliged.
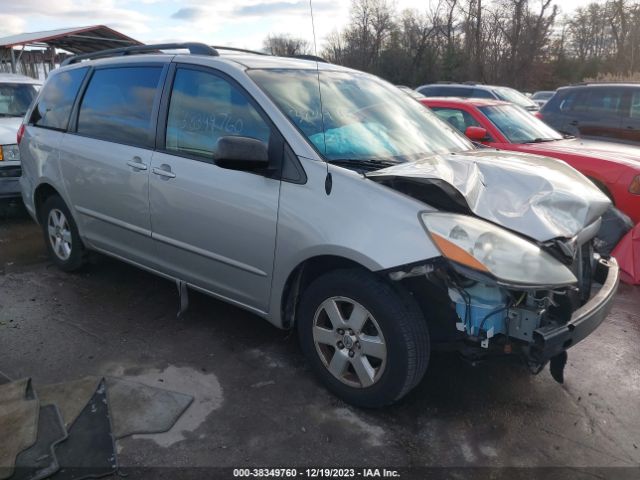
(303, 274)
(40, 195)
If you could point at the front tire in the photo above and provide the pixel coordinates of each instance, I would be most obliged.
(61, 235)
(366, 341)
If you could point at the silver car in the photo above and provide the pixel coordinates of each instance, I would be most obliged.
(322, 199)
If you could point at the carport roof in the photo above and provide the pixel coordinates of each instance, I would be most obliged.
(74, 40)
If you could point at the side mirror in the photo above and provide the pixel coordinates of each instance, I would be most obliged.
(477, 134)
(241, 153)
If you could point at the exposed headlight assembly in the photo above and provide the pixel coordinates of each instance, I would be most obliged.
(9, 153)
(492, 250)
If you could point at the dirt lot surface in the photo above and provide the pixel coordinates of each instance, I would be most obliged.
(257, 403)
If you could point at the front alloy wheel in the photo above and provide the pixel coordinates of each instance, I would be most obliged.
(349, 342)
(365, 338)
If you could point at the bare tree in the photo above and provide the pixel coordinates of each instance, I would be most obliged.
(521, 43)
(286, 45)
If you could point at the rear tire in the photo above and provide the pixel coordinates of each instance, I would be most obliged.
(366, 341)
(61, 235)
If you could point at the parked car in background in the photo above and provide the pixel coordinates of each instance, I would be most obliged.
(16, 94)
(478, 90)
(614, 168)
(411, 92)
(317, 197)
(541, 97)
(596, 110)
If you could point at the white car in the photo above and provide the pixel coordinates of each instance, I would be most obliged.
(16, 94)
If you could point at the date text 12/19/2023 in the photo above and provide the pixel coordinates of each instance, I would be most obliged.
(315, 473)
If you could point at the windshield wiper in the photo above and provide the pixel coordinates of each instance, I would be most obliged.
(542, 140)
(363, 164)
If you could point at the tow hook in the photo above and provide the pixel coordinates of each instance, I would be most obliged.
(556, 366)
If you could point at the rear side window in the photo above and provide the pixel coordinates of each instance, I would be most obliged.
(600, 101)
(205, 107)
(118, 103)
(55, 102)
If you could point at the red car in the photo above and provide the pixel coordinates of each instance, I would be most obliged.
(614, 167)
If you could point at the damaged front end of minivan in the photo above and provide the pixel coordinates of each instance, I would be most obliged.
(518, 272)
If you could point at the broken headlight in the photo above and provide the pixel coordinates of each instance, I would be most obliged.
(489, 249)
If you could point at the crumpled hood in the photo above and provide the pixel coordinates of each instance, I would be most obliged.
(9, 129)
(539, 197)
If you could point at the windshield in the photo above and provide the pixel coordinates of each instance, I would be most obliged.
(363, 118)
(15, 99)
(518, 125)
(514, 96)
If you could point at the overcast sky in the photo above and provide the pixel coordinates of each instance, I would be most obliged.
(240, 23)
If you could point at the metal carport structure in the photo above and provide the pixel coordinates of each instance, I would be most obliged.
(24, 52)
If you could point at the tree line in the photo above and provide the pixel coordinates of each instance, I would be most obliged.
(526, 44)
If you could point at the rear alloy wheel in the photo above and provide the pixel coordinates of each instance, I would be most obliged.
(61, 235)
(367, 341)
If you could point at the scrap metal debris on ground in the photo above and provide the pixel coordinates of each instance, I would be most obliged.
(67, 431)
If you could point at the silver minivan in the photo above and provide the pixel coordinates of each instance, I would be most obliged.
(322, 199)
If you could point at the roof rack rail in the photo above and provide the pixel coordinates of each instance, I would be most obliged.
(305, 56)
(193, 47)
(242, 50)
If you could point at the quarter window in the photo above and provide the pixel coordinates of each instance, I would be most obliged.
(118, 103)
(205, 107)
(55, 102)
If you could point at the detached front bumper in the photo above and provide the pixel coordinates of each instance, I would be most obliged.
(550, 341)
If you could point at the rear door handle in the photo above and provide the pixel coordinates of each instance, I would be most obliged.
(164, 170)
(574, 123)
(137, 164)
